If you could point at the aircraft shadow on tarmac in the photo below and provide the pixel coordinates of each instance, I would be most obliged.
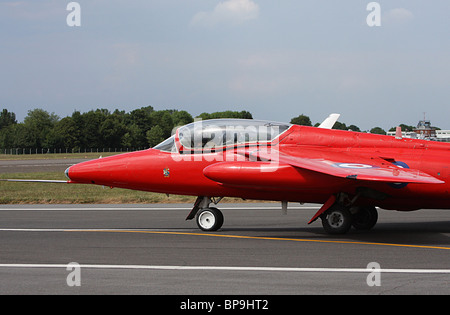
(417, 233)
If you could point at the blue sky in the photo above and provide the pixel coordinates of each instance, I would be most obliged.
(276, 59)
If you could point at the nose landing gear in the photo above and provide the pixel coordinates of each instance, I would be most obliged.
(209, 219)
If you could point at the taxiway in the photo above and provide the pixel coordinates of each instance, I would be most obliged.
(151, 249)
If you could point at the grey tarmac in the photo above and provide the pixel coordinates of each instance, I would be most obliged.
(151, 249)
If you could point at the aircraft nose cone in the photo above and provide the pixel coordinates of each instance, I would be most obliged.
(66, 172)
(128, 170)
(106, 171)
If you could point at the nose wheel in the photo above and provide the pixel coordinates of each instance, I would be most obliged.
(210, 219)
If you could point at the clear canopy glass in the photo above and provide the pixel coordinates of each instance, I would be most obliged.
(218, 133)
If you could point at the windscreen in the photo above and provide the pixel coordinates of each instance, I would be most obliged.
(167, 145)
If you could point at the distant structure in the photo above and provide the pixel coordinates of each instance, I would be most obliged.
(425, 131)
(443, 135)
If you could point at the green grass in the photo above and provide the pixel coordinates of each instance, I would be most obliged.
(49, 193)
(51, 156)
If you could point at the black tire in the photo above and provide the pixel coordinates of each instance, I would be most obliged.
(337, 220)
(365, 218)
(210, 219)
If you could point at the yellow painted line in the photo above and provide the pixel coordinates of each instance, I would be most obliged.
(264, 238)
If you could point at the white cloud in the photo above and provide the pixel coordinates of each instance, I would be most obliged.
(398, 16)
(228, 12)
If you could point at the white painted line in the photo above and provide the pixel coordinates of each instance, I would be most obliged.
(33, 230)
(232, 268)
(147, 208)
(90, 209)
(85, 230)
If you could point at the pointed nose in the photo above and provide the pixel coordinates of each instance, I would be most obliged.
(140, 170)
(91, 172)
(66, 172)
(107, 171)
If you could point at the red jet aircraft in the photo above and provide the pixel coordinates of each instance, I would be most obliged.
(350, 173)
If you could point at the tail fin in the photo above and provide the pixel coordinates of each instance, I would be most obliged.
(330, 121)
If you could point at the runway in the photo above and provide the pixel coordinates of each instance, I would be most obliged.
(151, 249)
(37, 165)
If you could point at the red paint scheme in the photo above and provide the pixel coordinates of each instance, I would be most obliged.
(352, 163)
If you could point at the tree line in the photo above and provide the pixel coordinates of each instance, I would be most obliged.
(306, 121)
(141, 128)
(138, 129)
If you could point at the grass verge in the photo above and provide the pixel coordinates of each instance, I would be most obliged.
(45, 193)
(57, 156)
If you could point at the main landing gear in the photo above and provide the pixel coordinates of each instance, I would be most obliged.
(338, 219)
(208, 218)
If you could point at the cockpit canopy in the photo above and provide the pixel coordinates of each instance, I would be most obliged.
(220, 133)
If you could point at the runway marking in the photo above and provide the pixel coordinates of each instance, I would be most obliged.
(267, 238)
(147, 209)
(232, 268)
(226, 236)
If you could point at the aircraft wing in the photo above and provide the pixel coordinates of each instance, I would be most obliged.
(349, 166)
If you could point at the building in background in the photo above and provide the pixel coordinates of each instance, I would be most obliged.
(425, 131)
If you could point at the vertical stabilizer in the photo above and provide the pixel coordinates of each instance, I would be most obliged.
(330, 121)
